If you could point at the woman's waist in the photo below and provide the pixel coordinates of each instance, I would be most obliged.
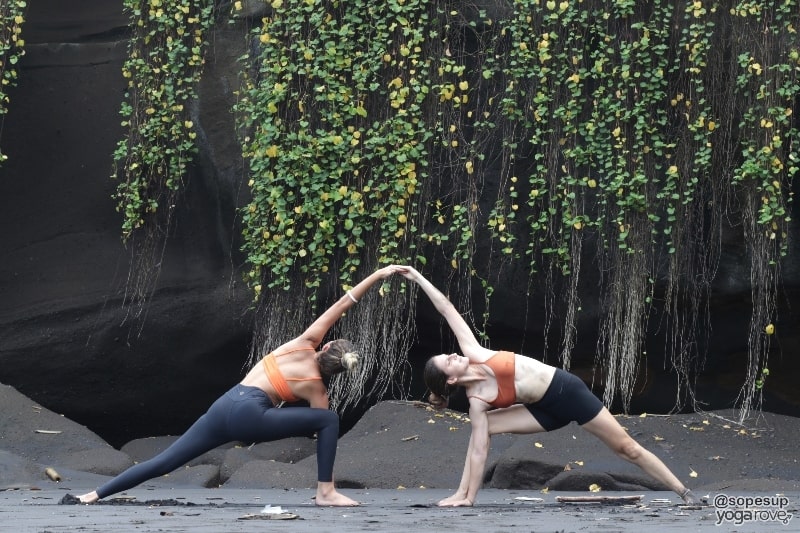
(532, 386)
(259, 380)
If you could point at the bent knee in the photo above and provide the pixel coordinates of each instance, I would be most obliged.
(628, 449)
(329, 418)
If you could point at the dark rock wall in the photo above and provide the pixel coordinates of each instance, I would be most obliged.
(64, 337)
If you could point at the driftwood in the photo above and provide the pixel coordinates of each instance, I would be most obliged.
(599, 499)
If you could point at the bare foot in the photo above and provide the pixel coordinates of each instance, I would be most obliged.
(456, 500)
(449, 502)
(90, 497)
(327, 495)
(336, 499)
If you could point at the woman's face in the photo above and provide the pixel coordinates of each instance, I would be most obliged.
(453, 365)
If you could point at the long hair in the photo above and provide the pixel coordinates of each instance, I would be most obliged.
(337, 357)
(436, 381)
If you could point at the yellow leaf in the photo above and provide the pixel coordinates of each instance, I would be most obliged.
(545, 490)
(692, 473)
(770, 329)
(643, 415)
(657, 438)
(538, 445)
(594, 487)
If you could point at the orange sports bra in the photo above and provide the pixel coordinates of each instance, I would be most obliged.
(277, 379)
(502, 364)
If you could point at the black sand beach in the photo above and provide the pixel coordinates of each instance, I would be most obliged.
(231, 510)
(398, 461)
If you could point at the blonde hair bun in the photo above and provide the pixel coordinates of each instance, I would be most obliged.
(350, 360)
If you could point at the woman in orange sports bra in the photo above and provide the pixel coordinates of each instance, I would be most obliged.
(512, 393)
(248, 412)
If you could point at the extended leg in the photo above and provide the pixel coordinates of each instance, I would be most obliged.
(605, 427)
(275, 424)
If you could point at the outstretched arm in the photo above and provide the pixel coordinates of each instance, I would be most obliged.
(317, 330)
(475, 462)
(470, 347)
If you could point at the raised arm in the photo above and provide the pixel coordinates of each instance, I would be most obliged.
(317, 330)
(470, 347)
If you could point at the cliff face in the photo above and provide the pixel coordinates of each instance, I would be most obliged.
(65, 339)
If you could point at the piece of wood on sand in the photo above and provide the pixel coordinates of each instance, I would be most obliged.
(273, 516)
(600, 499)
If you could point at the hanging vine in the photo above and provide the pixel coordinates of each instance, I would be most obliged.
(12, 17)
(163, 69)
(767, 50)
(609, 129)
(332, 121)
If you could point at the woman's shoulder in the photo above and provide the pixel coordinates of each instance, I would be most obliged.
(298, 344)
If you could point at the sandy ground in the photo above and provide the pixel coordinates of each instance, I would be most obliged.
(230, 510)
(749, 474)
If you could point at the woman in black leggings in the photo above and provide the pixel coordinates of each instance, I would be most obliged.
(512, 393)
(248, 412)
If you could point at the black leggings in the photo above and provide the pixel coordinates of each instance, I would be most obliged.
(243, 414)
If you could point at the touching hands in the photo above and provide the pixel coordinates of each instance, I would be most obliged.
(390, 270)
(408, 272)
